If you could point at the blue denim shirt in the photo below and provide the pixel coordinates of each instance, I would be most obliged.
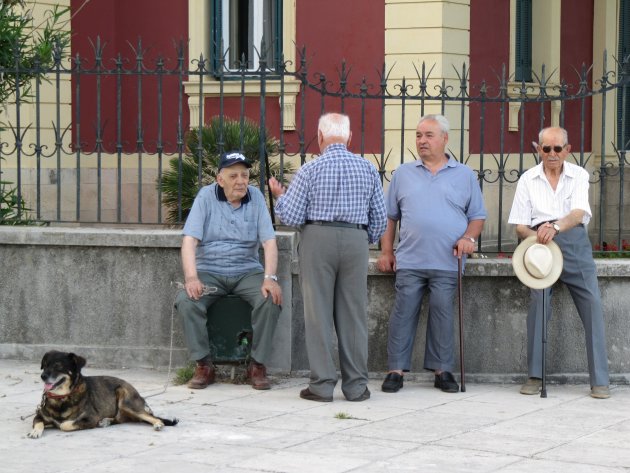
(229, 238)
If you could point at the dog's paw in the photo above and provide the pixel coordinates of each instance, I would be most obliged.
(106, 422)
(35, 433)
(158, 426)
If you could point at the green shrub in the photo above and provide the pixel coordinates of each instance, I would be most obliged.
(36, 46)
(188, 178)
(13, 211)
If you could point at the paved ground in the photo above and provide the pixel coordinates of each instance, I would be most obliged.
(232, 428)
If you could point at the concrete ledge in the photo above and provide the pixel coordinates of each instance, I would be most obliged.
(107, 294)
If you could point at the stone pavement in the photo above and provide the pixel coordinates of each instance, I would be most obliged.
(232, 428)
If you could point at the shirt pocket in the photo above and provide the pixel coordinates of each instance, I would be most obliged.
(458, 198)
(250, 224)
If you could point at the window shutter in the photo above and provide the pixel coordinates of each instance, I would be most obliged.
(216, 35)
(523, 46)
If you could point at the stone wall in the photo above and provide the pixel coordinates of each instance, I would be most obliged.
(107, 294)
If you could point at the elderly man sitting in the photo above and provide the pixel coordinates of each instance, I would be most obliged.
(228, 221)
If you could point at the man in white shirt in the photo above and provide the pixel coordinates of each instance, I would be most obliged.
(551, 202)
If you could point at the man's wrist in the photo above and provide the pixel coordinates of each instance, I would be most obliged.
(469, 238)
(556, 227)
(273, 277)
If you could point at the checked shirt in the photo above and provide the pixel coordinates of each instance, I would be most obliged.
(337, 186)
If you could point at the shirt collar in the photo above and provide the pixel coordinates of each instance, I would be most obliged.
(332, 146)
(220, 193)
(451, 163)
(567, 170)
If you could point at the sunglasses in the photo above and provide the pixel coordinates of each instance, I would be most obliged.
(557, 149)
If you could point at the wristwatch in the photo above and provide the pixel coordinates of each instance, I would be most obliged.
(556, 227)
(469, 238)
(273, 277)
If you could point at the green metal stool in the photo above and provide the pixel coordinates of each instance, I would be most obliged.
(230, 330)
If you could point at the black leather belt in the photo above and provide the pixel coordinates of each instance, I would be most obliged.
(326, 223)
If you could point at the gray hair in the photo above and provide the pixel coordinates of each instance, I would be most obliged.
(334, 125)
(565, 135)
(440, 119)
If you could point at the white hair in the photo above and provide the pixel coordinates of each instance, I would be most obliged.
(334, 125)
(563, 132)
(440, 119)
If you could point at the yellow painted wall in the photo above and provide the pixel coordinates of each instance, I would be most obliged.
(438, 33)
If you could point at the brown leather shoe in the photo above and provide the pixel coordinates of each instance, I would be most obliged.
(257, 373)
(203, 376)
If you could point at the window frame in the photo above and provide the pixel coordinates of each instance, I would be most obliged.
(220, 24)
(200, 52)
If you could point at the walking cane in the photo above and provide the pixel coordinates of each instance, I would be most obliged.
(543, 390)
(461, 323)
(539, 282)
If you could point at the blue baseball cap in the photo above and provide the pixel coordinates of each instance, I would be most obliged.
(231, 158)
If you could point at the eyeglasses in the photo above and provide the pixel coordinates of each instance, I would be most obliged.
(557, 149)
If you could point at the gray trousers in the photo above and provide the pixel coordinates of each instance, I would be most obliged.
(580, 276)
(333, 276)
(265, 313)
(403, 322)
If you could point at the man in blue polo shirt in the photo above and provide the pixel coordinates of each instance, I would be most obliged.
(228, 221)
(441, 212)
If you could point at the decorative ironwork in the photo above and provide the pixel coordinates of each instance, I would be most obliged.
(135, 89)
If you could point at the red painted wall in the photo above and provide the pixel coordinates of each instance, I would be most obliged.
(327, 42)
(489, 52)
(355, 33)
(350, 30)
(576, 39)
(489, 55)
(120, 24)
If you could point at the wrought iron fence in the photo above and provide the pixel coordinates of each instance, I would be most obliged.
(89, 146)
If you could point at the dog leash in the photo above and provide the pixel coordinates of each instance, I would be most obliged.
(206, 290)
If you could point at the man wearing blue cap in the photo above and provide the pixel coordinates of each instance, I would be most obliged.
(227, 223)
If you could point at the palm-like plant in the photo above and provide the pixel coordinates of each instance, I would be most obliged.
(180, 183)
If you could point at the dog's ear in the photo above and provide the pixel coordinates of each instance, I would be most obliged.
(79, 361)
(45, 360)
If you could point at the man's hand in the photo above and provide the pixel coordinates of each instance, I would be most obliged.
(275, 187)
(545, 233)
(271, 287)
(463, 246)
(386, 263)
(194, 288)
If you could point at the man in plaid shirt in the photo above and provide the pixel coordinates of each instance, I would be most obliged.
(338, 200)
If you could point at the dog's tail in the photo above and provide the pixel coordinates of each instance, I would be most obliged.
(169, 422)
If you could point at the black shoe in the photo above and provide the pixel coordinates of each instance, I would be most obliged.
(309, 396)
(393, 382)
(363, 397)
(446, 382)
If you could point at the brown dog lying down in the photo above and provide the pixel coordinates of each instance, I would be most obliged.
(74, 402)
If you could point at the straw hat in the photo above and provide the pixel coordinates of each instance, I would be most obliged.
(536, 265)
